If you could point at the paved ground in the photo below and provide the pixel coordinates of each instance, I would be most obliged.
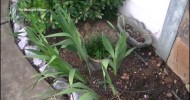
(15, 69)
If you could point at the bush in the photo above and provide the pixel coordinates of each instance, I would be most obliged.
(35, 12)
(91, 9)
(78, 9)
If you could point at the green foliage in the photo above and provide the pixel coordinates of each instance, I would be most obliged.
(62, 68)
(35, 12)
(95, 48)
(119, 52)
(106, 76)
(50, 54)
(91, 9)
(71, 34)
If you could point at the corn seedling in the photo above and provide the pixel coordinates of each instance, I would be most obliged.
(50, 54)
(106, 76)
(73, 39)
(118, 53)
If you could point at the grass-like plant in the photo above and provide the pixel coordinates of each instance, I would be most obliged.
(119, 52)
(50, 54)
(106, 76)
(72, 36)
(95, 48)
(63, 69)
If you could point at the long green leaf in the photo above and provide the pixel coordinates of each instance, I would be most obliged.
(80, 85)
(51, 59)
(107, 45)
(58, 35)
(88, 96)
(129, 51)
(71, 76)
(64, 42)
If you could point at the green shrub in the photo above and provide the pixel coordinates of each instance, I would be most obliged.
(35, 12)
(91, 9)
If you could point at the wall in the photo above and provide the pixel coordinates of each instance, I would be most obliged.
(178, 59)
(151, 12)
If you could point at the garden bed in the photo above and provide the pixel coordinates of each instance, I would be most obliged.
(142, 74)
(136, 78)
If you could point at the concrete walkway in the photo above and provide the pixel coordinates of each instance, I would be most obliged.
(15, 69)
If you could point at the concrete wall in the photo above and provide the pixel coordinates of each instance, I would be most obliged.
(151, 12)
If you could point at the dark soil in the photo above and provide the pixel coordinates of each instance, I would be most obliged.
(134, 34)
(141, 77)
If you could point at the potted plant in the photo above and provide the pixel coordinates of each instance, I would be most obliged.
(96, 51)
(137, 35)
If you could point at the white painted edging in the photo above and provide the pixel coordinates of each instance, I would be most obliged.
(59, 84)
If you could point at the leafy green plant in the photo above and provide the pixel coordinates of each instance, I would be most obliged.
(90, 9)
(106, 76)
(50, 54)
(72, 36)
(36, 12)
(63, 69)
(118, 53)
(95, 48)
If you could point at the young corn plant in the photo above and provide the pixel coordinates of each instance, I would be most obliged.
(106, 76)
(50, 54)
(118, 53)
(71, 34)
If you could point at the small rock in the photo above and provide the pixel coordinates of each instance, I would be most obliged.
(125, 76)
(23, 42)
(175, 81)
(169, 94)
(43, 68)
(94, 82)
(17, 27)
(158, 65)
(61, 84)
(163, 83)
(150, 53)
(30, 53)
(146, 63)
(37, 61)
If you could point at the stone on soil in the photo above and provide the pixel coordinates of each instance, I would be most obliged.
(169, 94)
